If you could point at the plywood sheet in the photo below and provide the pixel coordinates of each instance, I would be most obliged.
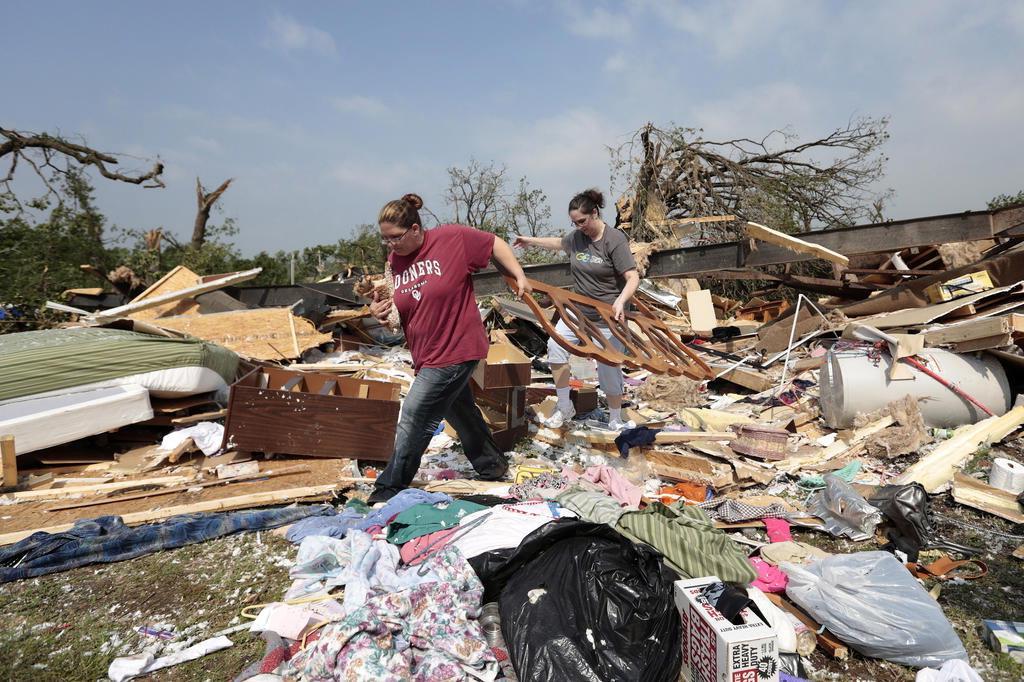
(177, 279)
(702, 310)
(262, 333)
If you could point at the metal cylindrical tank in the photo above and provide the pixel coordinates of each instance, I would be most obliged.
(853, 382)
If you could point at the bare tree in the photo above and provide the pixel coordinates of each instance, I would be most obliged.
(52, 157)
(204, 203)
(476, 194)
(529, 210)
(777, 180)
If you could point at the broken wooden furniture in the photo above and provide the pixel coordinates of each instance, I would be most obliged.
(279, 411)
(499, 387)
(655, 348)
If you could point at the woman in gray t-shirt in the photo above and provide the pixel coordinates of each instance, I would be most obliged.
(602, 268)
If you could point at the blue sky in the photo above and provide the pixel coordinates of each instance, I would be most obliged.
(324, 111)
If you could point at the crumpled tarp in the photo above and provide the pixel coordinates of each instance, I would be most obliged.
(106, 539)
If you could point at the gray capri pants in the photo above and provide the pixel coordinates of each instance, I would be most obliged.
(608, 376)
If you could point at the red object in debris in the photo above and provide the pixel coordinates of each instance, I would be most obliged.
(370, 472)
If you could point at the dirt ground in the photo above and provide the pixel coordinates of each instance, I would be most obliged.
(69, 626)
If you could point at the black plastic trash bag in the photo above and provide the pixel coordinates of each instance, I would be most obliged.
(581, 602)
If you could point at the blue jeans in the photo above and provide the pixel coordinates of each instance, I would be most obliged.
(439, 393)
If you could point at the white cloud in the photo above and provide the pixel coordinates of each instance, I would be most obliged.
(358, 104)
(381, 177)
(596, 22)
(287, 35)
(756, 111)
(617, 63)
(204, 144)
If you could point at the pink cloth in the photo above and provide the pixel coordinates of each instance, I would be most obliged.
(777, 529)
(613, 483)
(418, 549)
(769, 578)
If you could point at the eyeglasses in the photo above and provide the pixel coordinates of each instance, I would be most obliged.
(392, 241)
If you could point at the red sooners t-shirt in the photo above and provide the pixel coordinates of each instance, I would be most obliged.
(434, 296)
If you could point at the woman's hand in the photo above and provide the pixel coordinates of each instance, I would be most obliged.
(522, 286)
(380, 307)
(618, 310)
(521, 242)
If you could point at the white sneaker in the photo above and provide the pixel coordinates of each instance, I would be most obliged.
(559, 417)
(619, 425)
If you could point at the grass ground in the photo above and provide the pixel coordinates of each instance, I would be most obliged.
(69, 626)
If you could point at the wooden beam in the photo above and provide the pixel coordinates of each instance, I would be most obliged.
(9, 463)
(303, 468)
(874, 238)
(767, 234)
(224, 504)
(96, 488)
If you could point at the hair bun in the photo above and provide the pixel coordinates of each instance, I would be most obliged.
(414, 200)
(595, 196)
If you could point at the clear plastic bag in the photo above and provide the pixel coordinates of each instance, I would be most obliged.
(871, 601)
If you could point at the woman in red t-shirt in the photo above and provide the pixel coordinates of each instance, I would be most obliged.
(433, 292)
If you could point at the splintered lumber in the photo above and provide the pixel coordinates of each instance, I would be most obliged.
(971, 492)
(94, 489)
(190, 292)
(746, 377)
(224, 504)
(680, 467)
(301, 469)
(9, 463)
(936, 469)
(766, 234)
(985, 332)
(261, 333)
(841, 449)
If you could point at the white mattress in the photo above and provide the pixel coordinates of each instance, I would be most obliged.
(176, 382)
(42, 422)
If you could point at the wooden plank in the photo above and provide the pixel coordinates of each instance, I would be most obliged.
(681, 467)
(224, 504)
(94, 489)
(766, 234)
(201, 417)
(968, 331)
(262, 333)
(179, 489)
(746, 377)
(8, 463)
(971, 492)
(701, 310)
(191, 292)
(937, 468)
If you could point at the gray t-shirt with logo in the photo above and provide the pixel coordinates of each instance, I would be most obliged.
(598, 267)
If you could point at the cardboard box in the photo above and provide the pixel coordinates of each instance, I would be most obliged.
(964, 285)
(716, 650)
(506, 366)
